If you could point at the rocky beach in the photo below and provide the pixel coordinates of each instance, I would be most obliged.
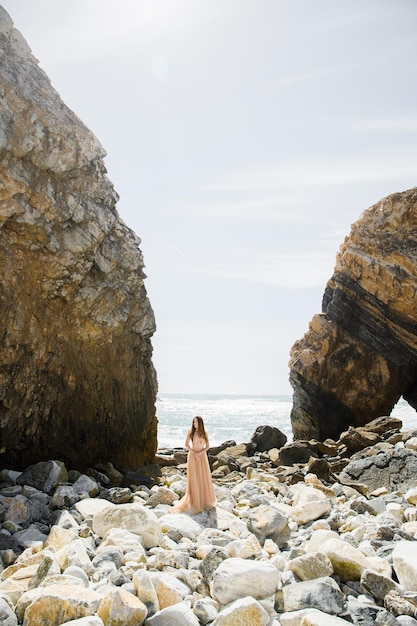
(305, 533)
(319, 531)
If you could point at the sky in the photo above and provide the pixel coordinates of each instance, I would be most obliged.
(244, 137)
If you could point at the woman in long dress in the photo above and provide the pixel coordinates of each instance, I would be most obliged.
(200, 493)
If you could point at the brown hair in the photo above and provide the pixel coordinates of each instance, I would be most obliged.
(200, 430)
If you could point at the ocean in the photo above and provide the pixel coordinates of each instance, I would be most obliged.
(235, 417)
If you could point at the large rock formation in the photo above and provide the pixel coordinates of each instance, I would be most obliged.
(76, 377)
(360, 355)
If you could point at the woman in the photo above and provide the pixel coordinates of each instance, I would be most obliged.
(200, 493)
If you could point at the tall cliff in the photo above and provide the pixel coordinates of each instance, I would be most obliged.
(76, 375)
(359, 355)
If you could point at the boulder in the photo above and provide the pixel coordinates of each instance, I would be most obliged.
(297, 452)
(394, 468)
(309, 504)
(175, 615)
(243, 611)
(404, 561)
(169, 589)
(56, 604)
(45, 475)
(122, 607)
(145, 591)
(266, 522)
(237, 578)
(322, 593)
(265, 438)
(311, 566)
(133, 517)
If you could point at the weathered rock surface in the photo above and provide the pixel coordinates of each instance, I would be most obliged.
(77, 381)
(359, 355)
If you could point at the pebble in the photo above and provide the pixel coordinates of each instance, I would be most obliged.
(282, 546)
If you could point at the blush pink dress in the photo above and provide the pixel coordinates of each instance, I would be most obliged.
(200, 493)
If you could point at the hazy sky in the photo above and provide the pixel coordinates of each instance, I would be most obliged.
(244, 137)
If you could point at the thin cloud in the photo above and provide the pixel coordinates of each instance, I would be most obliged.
(175, 248)
(384, 125)
(314, 75)
(311, 269)
(324, 171)
(276, 209)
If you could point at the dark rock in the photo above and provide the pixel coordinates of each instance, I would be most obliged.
(328, 447)
(229, 461)
(215, 450)
(100, 477)
(377, 585)
(164, 460)
(118, 495)
(265, 438)
(44, 476)
(322, 469)
(355, 439)
(383, 425)
(395, 470)
(211, 562)
(180, 457)
(297, 452)
(137, 478)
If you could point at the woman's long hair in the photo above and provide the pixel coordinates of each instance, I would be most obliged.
(200, 430)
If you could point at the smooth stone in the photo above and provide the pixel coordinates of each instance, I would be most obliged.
(75, 553)
(86, 484)
(181, 524)
(311, 566)
(89, 507)
(243, 611)
(132, 517)
(56, 604)
(176, 615)
(169, 589)
(44, 475)
(404, 561)
(205, 610)
(59, 537)
(122, 607)
(349, 563)
(309, 504)
(237, 578)
(127, 541)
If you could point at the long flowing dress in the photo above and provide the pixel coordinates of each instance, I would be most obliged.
(200, 492)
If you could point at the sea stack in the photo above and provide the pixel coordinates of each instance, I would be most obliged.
(76, 376)
(359, 356)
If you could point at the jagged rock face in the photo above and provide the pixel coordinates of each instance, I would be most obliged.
(360, 355)
(76, 376)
